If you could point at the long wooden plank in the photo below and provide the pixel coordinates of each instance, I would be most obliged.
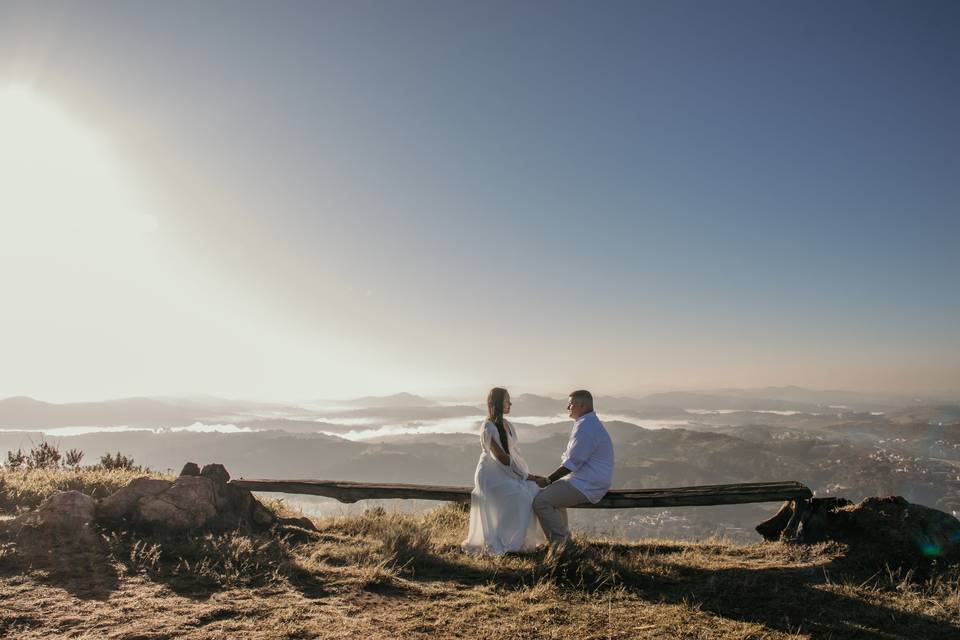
(616, 499)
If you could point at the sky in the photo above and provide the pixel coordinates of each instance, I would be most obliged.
(296, 200)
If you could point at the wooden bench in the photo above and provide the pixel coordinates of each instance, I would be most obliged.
(615, 499)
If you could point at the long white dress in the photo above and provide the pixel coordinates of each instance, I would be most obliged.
(501, 504)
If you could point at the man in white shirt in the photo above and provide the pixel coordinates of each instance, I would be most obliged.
(585, 472)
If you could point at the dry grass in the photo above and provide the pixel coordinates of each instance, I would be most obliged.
(199, 563)
(388, 575)
(26, 488)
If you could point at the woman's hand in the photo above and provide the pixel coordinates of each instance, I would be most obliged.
(540, 480)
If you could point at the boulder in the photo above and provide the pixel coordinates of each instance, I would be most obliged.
(216, 472)
(66, 516)
(893, 527)
(262, 516)
(903, 527)
(189, 503)
(122, 502)
(190, 469)
(60, 537)
(801, 520)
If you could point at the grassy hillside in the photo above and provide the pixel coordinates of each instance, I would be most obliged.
(386, 575)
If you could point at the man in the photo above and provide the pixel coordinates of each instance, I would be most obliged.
(585, 472)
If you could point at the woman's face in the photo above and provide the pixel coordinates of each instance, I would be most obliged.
(506, 404)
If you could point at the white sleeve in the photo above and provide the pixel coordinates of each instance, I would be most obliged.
(490, 432)
(487, 432)
(517, 467)
(517, 464)
(580, 447)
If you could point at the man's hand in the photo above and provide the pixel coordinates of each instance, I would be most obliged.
(540, 480)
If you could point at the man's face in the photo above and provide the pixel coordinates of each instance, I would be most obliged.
(576, 408)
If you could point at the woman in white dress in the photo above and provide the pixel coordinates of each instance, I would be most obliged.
(501, 504)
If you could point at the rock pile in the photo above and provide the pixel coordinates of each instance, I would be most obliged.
(200, 499)
(197, 500)
(892, 526)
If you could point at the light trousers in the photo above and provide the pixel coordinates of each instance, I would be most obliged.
(551, 504)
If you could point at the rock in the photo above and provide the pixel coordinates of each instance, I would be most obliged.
(216, 472)
(189, 503)
(121, 503)
(236, 509)
(66, 516)
(302, 522)
(772, 528)
(297, 529)
(903, 527)
(893, 528)
(818, 524)
(60, 537)
(63, 510)
(204, 502)
(190, 469)
(261, 515)
(800, 520)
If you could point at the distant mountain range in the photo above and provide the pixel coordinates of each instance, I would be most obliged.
(687, 400)
(402, 399)
(27, 413)
(671, 403)
(21, 412)
(404, 414)
(528, 404)
(852, 399)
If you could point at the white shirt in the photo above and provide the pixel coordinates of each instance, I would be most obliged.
(589, 456)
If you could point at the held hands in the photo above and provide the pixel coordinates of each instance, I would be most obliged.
(540, 480)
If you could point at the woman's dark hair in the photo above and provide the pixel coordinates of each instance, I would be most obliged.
(495, 401)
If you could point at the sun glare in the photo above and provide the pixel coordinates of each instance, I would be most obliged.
(63, 190)
(90, 295)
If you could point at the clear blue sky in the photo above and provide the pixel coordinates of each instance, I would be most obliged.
(545, 194)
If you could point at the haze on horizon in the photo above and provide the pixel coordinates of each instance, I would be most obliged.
(294, 201)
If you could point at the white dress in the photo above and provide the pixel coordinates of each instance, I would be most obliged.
(501, 504)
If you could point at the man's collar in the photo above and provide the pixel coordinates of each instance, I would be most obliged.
(584, 416)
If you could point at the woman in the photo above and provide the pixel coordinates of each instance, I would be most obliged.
(501, 504)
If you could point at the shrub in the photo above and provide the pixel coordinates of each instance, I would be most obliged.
(44, 456)
(119, 461)
(72, 458)
(48, 456)
(16, 460)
